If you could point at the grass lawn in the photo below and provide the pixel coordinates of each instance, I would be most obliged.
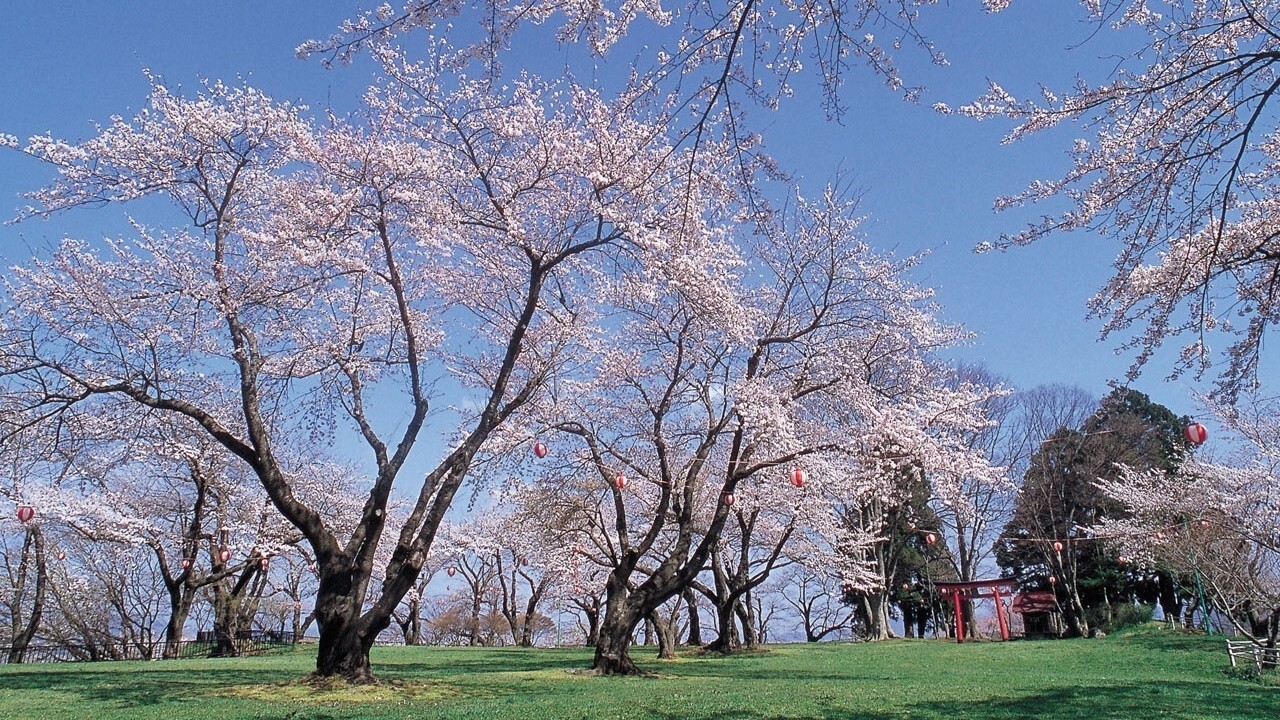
(1147, 673)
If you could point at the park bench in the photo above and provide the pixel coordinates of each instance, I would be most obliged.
(1259, 656)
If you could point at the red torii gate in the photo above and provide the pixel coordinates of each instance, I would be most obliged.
(975, 589)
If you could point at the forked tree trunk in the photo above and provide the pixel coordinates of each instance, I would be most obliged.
(346, 636)
(22, 633)
(180, 600)
(666, 636)
(613, 646)
(345, 654)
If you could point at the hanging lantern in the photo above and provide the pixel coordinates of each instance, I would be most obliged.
(186, 563)
(798, 477)
(1204, 524)
(524, 562)
(1053, 580)
(930, 538)
(1195, 433)
(25, 513)
(60, 555)
(540, 449)
(1122, 560)
(620, 482)
(729, 499)
(1159, 535)
(312, 568)
(451, 571)
(1057, 546)
(224, 555)
(264, 563)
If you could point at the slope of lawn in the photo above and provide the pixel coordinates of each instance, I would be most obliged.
(1147, 673)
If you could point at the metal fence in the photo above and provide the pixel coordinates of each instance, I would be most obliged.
(204, 646)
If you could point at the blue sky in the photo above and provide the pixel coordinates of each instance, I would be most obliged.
(928, 180)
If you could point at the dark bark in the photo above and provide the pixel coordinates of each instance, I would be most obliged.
(22, 632)
(665, 633)
(695, 622)
(613, 656)
(179, 610)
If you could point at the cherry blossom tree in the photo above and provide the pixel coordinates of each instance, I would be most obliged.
(749, 49)
(1213, 523)
(1176, 160)
(304, 268)
(751, 388)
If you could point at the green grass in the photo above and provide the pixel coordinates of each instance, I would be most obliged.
(1146, 673)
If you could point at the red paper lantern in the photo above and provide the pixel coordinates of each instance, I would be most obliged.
(1159, 535)
(1122, 560)
(451, 571)
(729, 499)
(798, 477)
(1057, 546)
(186, 563)
(25, 513)
(1195, 433)
(1053, 580)
(224, 555)
(60, 555)
(931, 538)
(620, 482)
(524, 562)
(1204, 524)
(312, 568)
(540, 449)
(264, 563)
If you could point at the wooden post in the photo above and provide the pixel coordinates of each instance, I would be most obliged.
(1004, 623)
(955, 596)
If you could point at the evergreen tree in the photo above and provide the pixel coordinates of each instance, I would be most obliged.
(1045, 544)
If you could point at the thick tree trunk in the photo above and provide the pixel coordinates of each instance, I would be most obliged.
(750, 632)
(727, 639)
(613, 655)
(908, 619)
(875, 607)
(180, 599)
(593, 628)
(666, 636)
(22, 633)
(695, 623)
(1073, 613)
(344, 652)
(346, 636)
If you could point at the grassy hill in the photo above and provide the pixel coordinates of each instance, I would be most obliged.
(1147, 673)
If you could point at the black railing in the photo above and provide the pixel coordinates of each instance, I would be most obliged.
(204, 646)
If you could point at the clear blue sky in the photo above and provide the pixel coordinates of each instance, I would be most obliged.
(929, 180)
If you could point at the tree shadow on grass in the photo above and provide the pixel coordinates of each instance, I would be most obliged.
(1223, 701)
(140, 688)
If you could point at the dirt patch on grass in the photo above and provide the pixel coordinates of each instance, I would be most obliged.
(334, 691)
